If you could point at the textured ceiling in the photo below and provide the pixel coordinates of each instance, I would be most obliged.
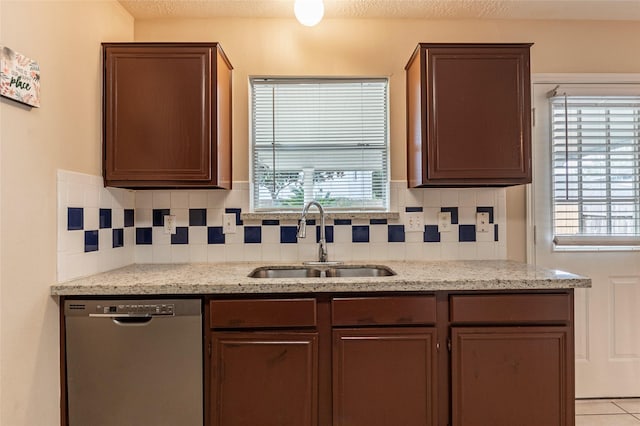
(446, 9)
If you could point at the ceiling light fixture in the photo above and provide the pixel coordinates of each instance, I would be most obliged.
(309, 12)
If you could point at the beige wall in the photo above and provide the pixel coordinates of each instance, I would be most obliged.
(65, 133)
(64, 37)
(382, 48)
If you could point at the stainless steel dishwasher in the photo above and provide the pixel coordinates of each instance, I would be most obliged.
(134, 362)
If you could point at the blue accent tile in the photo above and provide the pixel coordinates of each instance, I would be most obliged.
(237, 213)
(90, 241)
(328, 233)
(466, 233)
(377, 221)
(181, 236)
(270, 222)
(288, 234)
(311, 221)
(158, 216)
(360, 234)
(128, 218)
(495, 232)
(252, 234)
(75, 218)
(105, 218)
(431, 234)
(144, 236)
(197, 217)
(412, 209)
(118, 237)
(454, 213)
(215, 235)
(486, 210)
(342, 221)
(395, 234)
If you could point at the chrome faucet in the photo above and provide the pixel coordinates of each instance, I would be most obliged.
(302, 229)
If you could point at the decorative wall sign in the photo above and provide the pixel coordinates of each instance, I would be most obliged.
(19, 77)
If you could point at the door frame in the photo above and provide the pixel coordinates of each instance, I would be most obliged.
(596, 301)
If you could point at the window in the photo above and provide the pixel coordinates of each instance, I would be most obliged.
(322, 139)
(596, 169)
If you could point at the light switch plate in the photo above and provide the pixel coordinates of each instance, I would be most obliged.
(444, 222)
(414, 222)
(482, 222)
(228, 223)
(169, 224)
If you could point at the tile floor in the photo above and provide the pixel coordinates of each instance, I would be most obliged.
(608, 412)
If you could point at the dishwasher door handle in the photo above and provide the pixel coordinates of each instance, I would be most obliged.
(126, 320)
(132, 321)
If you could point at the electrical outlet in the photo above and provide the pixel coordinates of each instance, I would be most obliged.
(482, 222)
(228, 223)
(414, 222)
(444, 222)
(169, 224)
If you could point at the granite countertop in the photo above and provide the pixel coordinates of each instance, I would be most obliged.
(227, 278)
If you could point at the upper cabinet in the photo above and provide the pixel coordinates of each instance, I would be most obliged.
(166, 115)
(468, 115)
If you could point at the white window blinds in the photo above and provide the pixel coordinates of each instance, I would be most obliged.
(322, 139)
(596, 169)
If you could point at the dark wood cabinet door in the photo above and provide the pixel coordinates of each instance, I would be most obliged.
(469, 115)
(506, 376)
(167, 110)
(384, 377)
(264, 378)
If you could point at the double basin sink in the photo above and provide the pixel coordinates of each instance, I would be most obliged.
(319, 270)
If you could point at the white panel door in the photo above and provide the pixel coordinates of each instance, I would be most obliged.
(607, 316)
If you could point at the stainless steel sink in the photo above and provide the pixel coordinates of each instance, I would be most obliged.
(285, 272)
(317, 271)
(360, 271)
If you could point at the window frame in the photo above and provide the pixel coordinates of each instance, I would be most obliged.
(335, 210)
(580, 183)
(539, 225)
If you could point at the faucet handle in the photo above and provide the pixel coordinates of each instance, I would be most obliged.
(302, 228)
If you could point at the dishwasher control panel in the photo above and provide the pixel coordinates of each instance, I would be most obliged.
(137, 308)
(114, 308)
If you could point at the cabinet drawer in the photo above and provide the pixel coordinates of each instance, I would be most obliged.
(263, 313)
(511, 308)
(383, 310)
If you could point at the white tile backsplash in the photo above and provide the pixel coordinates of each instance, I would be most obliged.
(197, 252)
(86, 192)
(161, 253)
(179, 199)
(182, 216)
(198, 236)
(159, 236)
(161, 199)
(216, 253)
(198, 199)
(467, 198)
(144, 200)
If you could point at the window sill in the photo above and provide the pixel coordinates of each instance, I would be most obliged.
(566, 249)
(595, 243)
(294, 216)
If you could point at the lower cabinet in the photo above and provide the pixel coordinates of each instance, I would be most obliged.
(264, 378)
(435, 359)
(510, 376)
(384, 377)
(263, 362)
(512, 359)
